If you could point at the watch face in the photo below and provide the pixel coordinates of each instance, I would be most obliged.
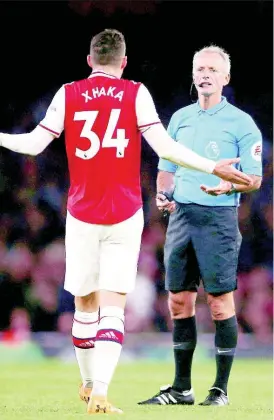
(232, 191)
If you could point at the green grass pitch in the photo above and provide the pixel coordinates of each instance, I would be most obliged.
(48, 391)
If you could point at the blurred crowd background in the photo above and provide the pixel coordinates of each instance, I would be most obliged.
(33, 190)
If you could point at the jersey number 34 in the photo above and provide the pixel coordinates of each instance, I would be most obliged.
(120, 142)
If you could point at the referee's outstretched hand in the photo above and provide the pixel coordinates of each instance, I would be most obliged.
(227, 172)
(222, 188)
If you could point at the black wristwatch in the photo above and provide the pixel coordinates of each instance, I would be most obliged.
(169, 196)
(232, 190)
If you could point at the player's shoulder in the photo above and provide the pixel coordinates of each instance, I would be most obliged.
(132, 83)
(75, 83)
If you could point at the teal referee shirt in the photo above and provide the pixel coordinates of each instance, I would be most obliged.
(223, 131)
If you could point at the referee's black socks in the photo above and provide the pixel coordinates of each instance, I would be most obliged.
(184, 343)
(225, 344)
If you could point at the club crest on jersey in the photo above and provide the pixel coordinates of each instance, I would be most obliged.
(96, 93)
(212, 150)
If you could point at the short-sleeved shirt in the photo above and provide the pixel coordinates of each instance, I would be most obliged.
(103, 117)
(223, 131)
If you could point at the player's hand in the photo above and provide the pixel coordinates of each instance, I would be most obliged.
(163, 204)
(227, 172)
(222, 188)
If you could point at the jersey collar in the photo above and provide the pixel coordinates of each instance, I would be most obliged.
(214, 109)
(102, 74)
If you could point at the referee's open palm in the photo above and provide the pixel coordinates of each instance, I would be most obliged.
(222, 188)
(227, 172)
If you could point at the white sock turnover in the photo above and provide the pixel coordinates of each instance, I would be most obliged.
(108, 346)
(84, 331)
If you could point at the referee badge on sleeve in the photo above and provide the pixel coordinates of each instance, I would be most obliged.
(256, 151)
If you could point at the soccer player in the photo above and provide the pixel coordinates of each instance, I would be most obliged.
(203, 238)
(103, 117)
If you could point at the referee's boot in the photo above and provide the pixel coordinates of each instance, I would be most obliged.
(216, 396)
(168, 395)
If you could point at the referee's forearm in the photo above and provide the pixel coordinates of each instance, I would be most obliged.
(165, 182)
(257, 181)
(245, 189)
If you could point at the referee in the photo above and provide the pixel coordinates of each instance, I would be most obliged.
(203, 238)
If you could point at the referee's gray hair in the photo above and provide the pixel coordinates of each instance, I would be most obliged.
(215, 49)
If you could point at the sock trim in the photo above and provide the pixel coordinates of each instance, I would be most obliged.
(79, 338)
(220, 351)
(184, 345)
(112, 311)
(110, 334)
(111, 316)
(85, 323)
(83, 343)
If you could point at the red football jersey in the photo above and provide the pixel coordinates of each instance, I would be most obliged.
(103, 147)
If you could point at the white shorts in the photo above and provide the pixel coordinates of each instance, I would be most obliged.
(102, 257)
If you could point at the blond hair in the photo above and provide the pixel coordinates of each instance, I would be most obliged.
(218, 50)
(108, 47)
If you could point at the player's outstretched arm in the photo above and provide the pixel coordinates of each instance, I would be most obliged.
(37, 140)
(166, 148)
(31, 143)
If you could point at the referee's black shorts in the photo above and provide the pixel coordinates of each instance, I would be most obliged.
(202, 243)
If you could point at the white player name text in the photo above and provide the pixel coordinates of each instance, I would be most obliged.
(96, 93)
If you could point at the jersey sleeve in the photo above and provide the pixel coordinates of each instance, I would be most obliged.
(166, 165)
(165, 147)
(55, 116)
(250, 147)
(145, 109)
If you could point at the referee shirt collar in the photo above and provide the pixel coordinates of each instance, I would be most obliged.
(214, 109)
